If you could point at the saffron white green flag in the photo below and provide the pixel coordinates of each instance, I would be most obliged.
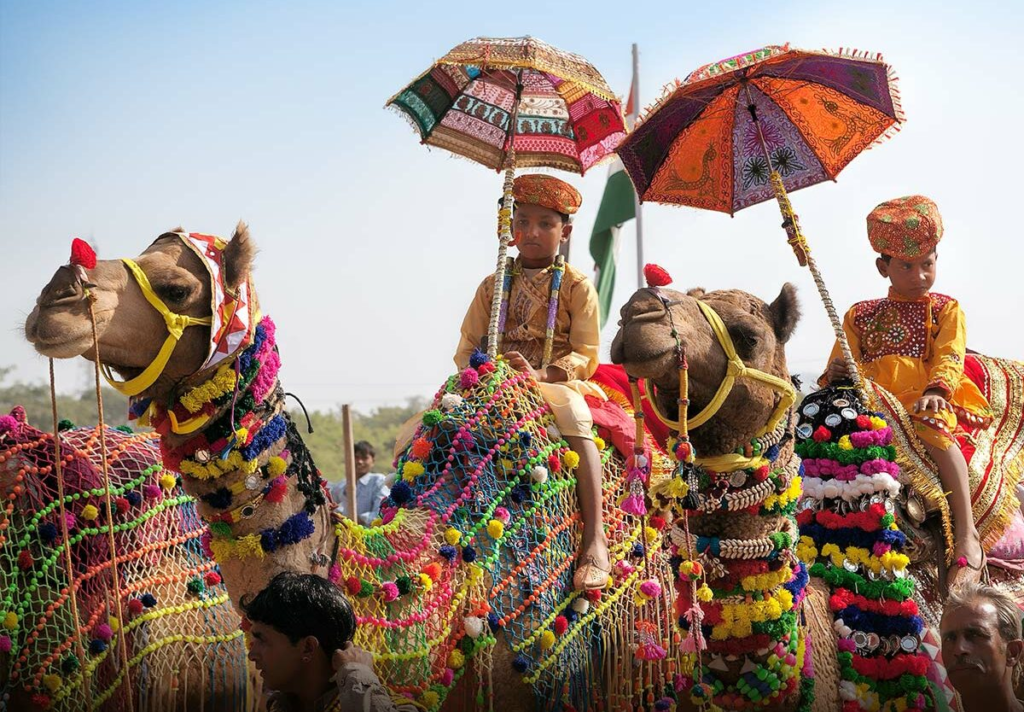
(618, 205)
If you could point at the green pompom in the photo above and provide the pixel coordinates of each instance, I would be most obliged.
(65, 424)
(195, 586)
(432, 417)
(125, 429)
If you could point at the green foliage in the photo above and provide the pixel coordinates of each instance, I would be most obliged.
(79, 409)
(380, 428)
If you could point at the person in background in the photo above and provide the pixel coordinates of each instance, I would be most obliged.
(371, 487)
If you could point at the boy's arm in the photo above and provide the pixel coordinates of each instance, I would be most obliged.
(474, 325)
(584, 333)
(948, 351)
(852, 337)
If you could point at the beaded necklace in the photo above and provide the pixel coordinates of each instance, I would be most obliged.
(557, 270)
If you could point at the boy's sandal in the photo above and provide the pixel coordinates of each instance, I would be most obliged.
(963, 565)
(589, 575)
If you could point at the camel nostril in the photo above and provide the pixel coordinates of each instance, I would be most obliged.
(65, 294)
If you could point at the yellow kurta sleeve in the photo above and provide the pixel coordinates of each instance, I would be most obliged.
(948, 350)
(584, 333)
(837, 352)
(474, 325)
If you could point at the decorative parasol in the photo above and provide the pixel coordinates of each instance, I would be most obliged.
(750, 128)
(514, 102)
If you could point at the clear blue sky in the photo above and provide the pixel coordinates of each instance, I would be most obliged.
(121, 120)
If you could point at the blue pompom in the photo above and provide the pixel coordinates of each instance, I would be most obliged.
(148, 600)
(468, 554)
(516, 496)
(493, 622)
(134, 498)
(521, 664)
(772, 453)
(662, 705)
(448, 551)
(570, 614)
(638, 549)
(48, 532)
(97, 646)
(526, 438)
(478, 358)
(401, 492)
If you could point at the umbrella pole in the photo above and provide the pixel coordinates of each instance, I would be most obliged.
(796, 239)
(495, 324)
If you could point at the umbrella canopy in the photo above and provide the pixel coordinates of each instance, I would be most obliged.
(713, 140)
(488, 95)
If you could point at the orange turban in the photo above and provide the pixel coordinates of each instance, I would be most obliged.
(548, 192)
(906, 228)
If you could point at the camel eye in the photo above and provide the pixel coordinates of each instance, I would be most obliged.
(174, 292)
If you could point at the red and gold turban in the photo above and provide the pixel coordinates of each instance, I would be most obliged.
(906, 228)
(546, 191)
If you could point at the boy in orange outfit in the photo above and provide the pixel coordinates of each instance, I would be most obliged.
(913, 343)
(541, 223)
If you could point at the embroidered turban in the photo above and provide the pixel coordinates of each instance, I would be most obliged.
(906, 228)
(548, 192)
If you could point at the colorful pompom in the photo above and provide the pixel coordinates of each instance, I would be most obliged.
(656, 276)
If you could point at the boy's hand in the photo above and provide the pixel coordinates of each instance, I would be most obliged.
(837, 370)
(517, 361)
(932, 400)
(351, 653)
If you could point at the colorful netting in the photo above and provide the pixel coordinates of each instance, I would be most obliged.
(476, 545)
(184, 646)
(848, 530)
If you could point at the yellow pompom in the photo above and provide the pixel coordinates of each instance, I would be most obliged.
(877, 423)
(452, 536)
(429, 699)
(571, 459)
(844, 443)
(495, 528)
(685, 568)
(704, 594)
(412, 468)
(475, 572)
(376, 522)
(52, 682)
(11, 620)
(599, 443)
(651, 534)
(249, 545)
(168, 482)
(242, 434)
(277, 466)
(114, 623)
(89, 512)
(456, 659)
(547, 640)
(426, 582)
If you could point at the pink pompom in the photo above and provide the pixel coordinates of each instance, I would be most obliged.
(104, 632)
(334, 574)
(5, 644)
(389, 591)
(502, 515)
(7, 424)
(469, 378)
(447, 677)
(634, 504)
(151, 491)
(204, 543)
(650, 588)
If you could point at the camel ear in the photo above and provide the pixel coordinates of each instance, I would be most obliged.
(785, 313)
(238, 257)
(696, 292)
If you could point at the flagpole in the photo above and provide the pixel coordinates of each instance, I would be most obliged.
(635, 100)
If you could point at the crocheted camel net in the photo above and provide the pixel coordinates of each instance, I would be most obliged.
(475, 550)
(169, 617)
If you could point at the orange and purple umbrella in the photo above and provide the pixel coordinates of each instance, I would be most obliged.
(713, 141)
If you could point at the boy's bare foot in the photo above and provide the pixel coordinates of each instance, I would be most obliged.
(968, 561)
(593, 567)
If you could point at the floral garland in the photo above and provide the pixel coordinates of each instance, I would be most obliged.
(848, 530)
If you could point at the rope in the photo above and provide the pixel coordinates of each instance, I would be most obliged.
(58, 467)
(91, 300)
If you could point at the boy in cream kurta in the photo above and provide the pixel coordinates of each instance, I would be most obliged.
(541, 223)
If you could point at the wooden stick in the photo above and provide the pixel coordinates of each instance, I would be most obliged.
(350, 461)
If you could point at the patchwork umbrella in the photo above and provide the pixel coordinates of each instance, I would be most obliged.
(755, 126)
(510, 103)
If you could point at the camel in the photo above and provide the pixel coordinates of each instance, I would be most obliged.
(171, 588)
(656, 327)
(266, 505)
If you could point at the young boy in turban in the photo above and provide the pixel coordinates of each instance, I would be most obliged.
(540, 224)
(912, 343)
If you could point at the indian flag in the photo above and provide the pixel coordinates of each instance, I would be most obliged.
(618, 205)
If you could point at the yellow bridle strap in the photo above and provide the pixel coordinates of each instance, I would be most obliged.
(176, 325)
(735, 369)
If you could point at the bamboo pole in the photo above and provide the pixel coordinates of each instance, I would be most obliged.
(350, 461)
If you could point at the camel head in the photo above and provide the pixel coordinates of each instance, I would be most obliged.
(646, 346)
(130, 331)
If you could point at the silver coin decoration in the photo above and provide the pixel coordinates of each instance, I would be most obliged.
(841, 403)
(811, 410)
(833, 419)
(804, 431)
(849, 413)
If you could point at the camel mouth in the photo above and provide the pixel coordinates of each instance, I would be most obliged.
(61, 346)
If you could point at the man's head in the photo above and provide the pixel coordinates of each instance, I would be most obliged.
(542, 220)
(981, 638)
(365, 456)
(297, 622)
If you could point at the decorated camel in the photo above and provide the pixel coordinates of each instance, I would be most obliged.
(447, 600)
(63, 636)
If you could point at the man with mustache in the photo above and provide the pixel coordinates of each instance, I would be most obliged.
(982, 647)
